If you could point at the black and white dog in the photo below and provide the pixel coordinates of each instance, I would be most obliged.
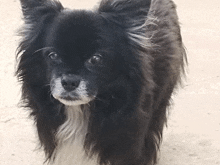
(99, 83)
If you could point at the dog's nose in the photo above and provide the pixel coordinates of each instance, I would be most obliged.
(70, 82)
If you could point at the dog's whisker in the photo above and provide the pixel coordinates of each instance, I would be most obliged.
(41, 49)
(100, 99)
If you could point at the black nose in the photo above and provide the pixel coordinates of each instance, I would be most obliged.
(70, 82)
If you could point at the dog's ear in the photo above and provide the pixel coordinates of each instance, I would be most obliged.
(38, 14)
(36, 8)
(132, 15)
(129, 8)
(125, 12)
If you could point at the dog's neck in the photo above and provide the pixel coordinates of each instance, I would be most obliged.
(75, 126)
(70, 138)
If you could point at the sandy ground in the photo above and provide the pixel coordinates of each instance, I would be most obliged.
(193, 133)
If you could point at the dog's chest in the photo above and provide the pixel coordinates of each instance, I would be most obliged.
(70, 138)
(72, 153)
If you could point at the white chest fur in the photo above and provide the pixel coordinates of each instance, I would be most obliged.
(70, 138)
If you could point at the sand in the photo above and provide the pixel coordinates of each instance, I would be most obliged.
(192, 136)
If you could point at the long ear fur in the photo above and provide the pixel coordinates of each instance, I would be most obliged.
(132, 15)
(125, 8)
(38, 14)
(29, 5)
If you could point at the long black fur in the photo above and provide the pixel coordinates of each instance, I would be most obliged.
(145, 62)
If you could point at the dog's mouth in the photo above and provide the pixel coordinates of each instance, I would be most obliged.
(72, 101)
(75, 96)
(69, 98)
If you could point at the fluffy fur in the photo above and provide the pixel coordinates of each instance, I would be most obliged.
(98, 83)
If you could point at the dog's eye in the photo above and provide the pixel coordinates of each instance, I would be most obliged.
(53, 55)
(95, 59)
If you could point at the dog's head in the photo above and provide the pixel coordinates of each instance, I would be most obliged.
(77, 66)
(82, 54)
(81, 63)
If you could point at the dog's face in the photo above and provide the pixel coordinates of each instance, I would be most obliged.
(82, 55)
(80, 62)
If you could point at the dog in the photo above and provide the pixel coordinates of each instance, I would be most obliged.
(99, 83)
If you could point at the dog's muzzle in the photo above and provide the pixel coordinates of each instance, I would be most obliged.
(70, 90)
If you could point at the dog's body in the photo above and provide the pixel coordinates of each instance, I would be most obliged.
(99, 82)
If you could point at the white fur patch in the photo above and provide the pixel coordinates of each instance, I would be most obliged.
(57, 88)
(81, 91)
(138, 32)
(70, 138)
